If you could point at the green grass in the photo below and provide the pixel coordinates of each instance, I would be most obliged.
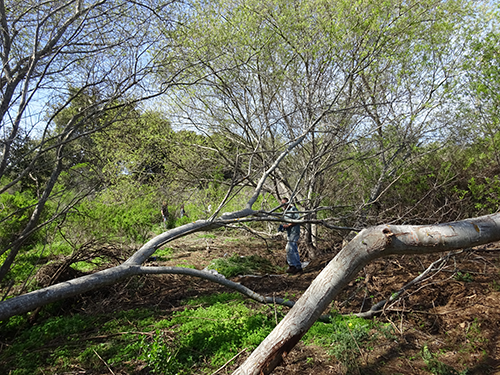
(87, 266)
(206, 337)
(27, 353)
(210, 331)
(238, 265)
(232, 239)
(345, 336)
(186, 265)
(436, 367)
(207, 235)
(164, 254)
(199, 339)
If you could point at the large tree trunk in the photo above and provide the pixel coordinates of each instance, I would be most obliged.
(368, 245)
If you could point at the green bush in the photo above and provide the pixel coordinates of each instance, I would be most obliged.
(107, 217)
(16, 208)
(14, 215)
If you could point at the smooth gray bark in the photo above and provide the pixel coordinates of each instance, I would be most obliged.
(131, 267)
(369, 244)
(29, 301)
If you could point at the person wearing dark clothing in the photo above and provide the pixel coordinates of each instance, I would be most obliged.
(293, 235)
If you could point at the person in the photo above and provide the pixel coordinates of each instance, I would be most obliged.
(293, 235)
(183, 212)
(164, 213)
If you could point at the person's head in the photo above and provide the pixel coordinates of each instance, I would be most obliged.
(284, 202)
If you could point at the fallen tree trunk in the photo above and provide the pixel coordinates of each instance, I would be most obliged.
(369, 244)
(29, 301)
(37, 298)
(131, 267)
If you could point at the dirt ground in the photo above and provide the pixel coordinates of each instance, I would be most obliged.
(454, 312)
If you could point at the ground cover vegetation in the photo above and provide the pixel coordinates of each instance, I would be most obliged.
(171, 324)
(364, 113)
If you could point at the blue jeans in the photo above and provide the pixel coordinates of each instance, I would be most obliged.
(292, 254)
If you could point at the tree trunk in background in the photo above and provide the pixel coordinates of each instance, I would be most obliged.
(311, 239)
